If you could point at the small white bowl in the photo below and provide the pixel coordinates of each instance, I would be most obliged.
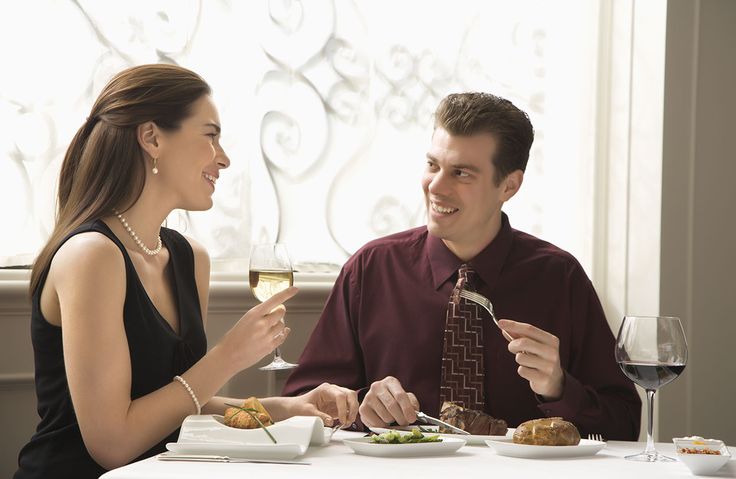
(702, 464)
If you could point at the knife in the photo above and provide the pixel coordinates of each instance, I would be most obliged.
(168, 456)
(437, 422)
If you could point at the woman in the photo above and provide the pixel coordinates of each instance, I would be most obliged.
(119, 302)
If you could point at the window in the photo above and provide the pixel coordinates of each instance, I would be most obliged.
(326, 108)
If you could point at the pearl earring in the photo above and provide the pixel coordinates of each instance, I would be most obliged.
(155, 168)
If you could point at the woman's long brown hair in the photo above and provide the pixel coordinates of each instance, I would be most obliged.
(104, 166)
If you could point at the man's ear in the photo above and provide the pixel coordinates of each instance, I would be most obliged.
(149, 135)
(511, 184)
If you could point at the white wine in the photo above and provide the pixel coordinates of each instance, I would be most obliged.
(270, 273)
(264, 283)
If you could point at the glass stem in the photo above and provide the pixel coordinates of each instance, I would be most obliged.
(277, 352)
(650, 422)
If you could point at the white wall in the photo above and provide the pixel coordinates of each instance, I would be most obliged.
(698, 261)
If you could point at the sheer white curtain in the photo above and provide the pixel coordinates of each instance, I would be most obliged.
(326, 108)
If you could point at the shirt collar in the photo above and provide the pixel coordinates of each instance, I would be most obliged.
(488, 263)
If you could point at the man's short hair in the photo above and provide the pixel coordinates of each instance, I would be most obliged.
(467, 114)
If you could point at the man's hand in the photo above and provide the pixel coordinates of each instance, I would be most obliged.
(387, 402)
(538, 356)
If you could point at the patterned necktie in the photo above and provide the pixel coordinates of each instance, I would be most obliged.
(462, 356)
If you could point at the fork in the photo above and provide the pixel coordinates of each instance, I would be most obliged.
(486, 304)
(595, 437)
(480, 299)
(335, 427)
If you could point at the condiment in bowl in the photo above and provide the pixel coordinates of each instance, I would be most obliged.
(701, 456)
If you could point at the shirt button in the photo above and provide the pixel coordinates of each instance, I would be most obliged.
(548, 411)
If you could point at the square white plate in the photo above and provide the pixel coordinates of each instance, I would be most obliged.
(207, 434)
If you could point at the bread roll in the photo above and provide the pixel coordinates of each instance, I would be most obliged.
(235, 417)
(551, 431)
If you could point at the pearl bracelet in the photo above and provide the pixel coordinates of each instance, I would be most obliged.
(191, 393)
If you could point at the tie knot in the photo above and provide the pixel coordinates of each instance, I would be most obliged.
(464, 275)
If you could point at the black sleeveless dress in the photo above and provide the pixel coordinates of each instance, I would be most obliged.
(157, 354)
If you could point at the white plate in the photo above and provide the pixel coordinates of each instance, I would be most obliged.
(245, 451)
(364, 446)
(207, 434)
(302, 430)
(506, 447)
(471, 439)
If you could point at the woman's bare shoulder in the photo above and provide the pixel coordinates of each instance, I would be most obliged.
(201, 273)
(88, 268)
(88, 254)
(200, 252)
(201, 260)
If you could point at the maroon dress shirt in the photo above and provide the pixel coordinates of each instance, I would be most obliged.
(386, 317)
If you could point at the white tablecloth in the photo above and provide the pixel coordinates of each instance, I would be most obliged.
(337, 460)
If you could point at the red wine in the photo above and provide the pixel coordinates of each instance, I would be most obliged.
(651, 375)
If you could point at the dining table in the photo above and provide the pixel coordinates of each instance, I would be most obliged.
(335, 459)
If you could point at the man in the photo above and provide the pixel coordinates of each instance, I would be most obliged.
(395, 329)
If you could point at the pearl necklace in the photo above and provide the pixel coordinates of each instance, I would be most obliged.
(149, 252)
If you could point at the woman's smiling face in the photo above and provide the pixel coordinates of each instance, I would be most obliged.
(191, 157)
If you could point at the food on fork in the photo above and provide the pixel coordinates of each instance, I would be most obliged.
(550, 431)
(472, 421)
(245, 416)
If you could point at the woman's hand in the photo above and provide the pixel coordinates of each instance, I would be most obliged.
(257, 333)
(327, 401)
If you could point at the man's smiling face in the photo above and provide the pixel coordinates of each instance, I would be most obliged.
(463, 202)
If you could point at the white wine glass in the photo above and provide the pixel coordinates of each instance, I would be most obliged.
(652, 352)
(270, 272)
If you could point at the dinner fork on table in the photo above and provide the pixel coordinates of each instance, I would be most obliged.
(595, 437)
(486, 304)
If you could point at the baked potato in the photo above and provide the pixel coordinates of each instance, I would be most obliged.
(551, 431)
